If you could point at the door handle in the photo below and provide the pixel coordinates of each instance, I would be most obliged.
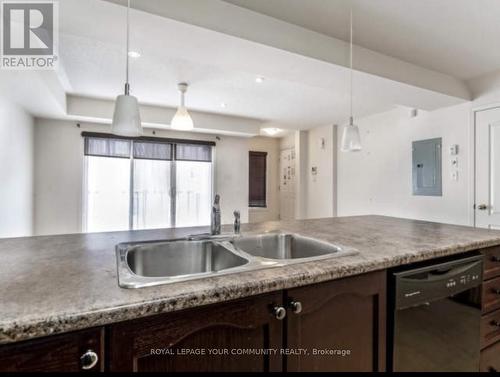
(482, 207)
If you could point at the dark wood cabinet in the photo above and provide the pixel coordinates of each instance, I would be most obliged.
(491, 295)
(56, 353)
(490, 321)
(490, 359)
(491, 262)
(338, 317)
(341, 325)
(217, 334)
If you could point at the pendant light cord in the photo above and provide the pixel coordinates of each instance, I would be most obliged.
(350, 65)
(127, 84)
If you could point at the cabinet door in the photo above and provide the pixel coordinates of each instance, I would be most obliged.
(490, 359)
(73, 352)
(206, 339)
(341, 327)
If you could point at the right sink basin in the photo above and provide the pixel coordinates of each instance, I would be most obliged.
(285, 246)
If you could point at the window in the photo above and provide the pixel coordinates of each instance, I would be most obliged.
(146, 183)
(257, 179)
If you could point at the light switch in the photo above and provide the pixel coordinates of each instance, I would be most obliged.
(454, 162)
(454, 175)
(322, 143)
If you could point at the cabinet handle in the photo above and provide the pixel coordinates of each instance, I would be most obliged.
(89, 360)
(496, 290)
(492, 370)
(495, 323)
(495, 258)
(295, 306)
(279, 312)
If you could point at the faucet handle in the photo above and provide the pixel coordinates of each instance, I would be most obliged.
(237, 222)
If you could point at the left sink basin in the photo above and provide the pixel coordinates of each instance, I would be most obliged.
(156, 263)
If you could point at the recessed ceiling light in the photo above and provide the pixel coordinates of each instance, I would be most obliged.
(259, 80)
(134, 54)
(223, 105)
(271, 131)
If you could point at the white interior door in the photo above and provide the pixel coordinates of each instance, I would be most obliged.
(487, 209)
(287, 184)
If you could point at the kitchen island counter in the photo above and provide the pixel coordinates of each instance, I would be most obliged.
(57, 284)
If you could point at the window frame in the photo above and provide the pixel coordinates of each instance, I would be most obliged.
(265, 198)
(131, 158)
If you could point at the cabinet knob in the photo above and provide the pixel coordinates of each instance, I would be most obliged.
(295, 306)
(89, 360)
(495, 323)
(279, 312)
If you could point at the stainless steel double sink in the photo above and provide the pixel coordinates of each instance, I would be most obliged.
(162, 262)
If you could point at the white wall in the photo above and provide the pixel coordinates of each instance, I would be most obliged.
(321, 188)
(315, 195)
(16, 171)
(287, 141)
(232, 177)
(301, 174)
(59, 173)
(272, 147)
(58, 177)
(378, 180)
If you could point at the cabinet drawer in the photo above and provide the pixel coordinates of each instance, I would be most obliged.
(491, 295)
(490, 329)
(490, 359)
(58, 353)
(491, 262)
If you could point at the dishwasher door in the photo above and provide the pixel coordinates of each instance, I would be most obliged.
(437, 314)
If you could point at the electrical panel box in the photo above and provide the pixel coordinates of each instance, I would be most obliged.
(427, 167)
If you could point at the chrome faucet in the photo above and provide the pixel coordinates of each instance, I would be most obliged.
(215, 220)
(237, 222)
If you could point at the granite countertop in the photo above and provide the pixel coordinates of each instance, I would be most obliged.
(56, 284)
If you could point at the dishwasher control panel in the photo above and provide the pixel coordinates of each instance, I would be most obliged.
(426, 284)
(463, 280)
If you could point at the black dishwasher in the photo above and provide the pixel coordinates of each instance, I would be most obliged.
(436, 312)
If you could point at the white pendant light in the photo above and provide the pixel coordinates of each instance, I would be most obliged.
(126, 117)
(182, 120)
(351, 140)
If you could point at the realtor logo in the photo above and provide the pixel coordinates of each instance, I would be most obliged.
(29, 34)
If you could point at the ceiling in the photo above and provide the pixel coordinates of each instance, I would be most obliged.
(299, 91)
(456, 37)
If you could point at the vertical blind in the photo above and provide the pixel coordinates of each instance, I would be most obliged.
(170, 149)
